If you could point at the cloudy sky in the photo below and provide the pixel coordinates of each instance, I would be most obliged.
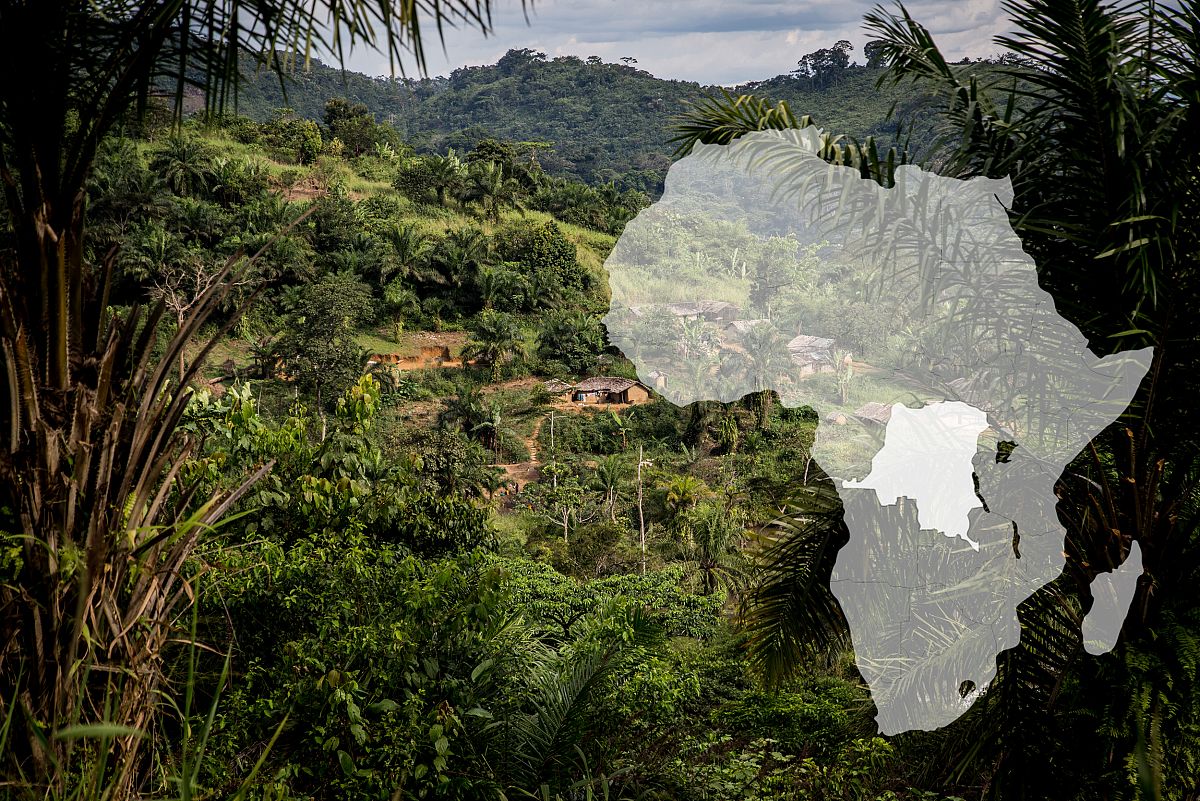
(711, 41)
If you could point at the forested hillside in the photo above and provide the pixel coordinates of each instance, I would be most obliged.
(324, 478)
(485, 558)
(599, 122)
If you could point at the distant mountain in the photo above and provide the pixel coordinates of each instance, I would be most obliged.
(603, 121)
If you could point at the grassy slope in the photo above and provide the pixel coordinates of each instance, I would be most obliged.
(592, 246)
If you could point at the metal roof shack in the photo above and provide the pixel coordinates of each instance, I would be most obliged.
(804, 342)
(745, 326)
(874, 412)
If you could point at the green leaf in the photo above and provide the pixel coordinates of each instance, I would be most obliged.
(386, 705)
(480, 668)
(1137, 243)
(347, 763)
(97, 730)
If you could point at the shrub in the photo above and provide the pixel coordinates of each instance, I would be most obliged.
(545, 254)
(414, 180)
(819, 717)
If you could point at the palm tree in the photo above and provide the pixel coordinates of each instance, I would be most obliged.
(89, 423)
(571, 338)
(366, 264)
(401, 302)
(495, 339)
(434, 309)
(492, 430)
(447, 174)
(1104, 178)
(123, 194)
(714, 536)
(790, 604)
(464, 410)
(496, 283)
(542, 290)
(488, 186)
(540, 744)
(721, 119)
(683, 493)
(1092, 122)
(762, 366)
(185, 164)
(461, 255)
(611, 473)
(410, 254)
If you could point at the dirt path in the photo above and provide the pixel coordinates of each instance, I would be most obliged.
(520, 474)
(531, 442)
(562, 408)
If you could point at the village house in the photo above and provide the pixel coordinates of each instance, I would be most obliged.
(560, 389)
(811, 354)
(874, 412)
(804, 342)
(743, 327)
(812, 362)
(605, 389)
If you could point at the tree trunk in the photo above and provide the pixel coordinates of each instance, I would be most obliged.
(641, 513)
(179, 324)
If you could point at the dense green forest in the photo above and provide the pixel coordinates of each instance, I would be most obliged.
(321, 479)
(394, 503)
(595, 121)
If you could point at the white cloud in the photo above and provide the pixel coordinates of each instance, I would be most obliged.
(709, 41)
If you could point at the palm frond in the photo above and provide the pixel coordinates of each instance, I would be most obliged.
(791, 608)
(543, 743)
(721, 120)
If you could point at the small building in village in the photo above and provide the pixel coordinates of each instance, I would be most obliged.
(874, 412)
(606, 389)
(560, 389)
(804, 342)
(811, 355)
(743, 327)
(812, 362)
